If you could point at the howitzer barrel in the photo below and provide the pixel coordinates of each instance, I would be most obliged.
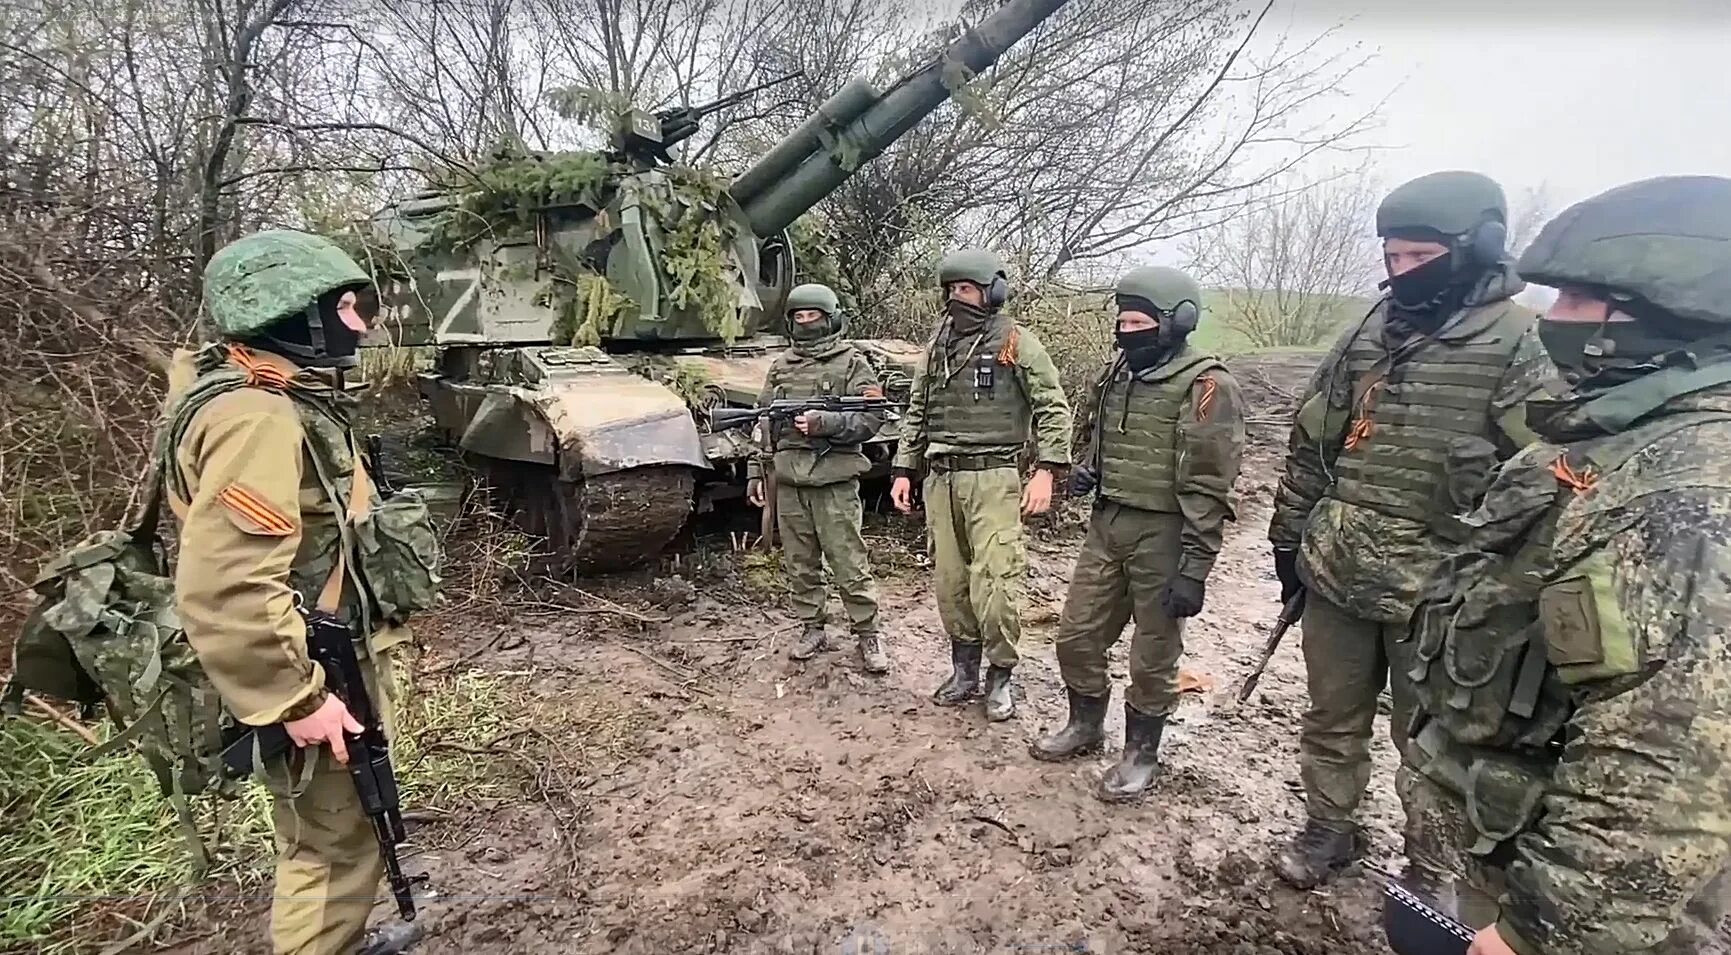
(854, 98)
(774, 206)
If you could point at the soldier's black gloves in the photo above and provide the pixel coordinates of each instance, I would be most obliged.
(1182, 597)
(1286, 568)
(1083, 480)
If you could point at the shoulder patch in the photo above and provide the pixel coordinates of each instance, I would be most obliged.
(1202, 392)
(252, 513)
(1007, 354)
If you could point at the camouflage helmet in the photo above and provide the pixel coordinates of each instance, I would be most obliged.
(1162, 286)
(255, 282)
(979, 266)
(813, 295)
(1665, 241)
(1441, 206)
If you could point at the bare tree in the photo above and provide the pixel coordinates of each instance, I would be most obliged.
(1296, 264)
(1528, 213)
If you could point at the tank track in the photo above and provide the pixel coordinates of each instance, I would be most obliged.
(611, 522)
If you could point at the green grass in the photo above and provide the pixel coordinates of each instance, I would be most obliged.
(83, 833)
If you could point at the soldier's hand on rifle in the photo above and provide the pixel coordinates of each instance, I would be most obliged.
(327, 724)
(902, 493)
(1488, 942)
(754, 492)
(1083, 480)
(1037, 497)
(1286, 568)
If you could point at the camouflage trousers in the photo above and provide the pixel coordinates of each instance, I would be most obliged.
(1125, 562)
(821, 525)
(979, 557)
(1470, 887)
(1347, 662)
(328, 866)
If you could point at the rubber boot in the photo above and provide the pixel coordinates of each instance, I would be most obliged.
(1318, 851)
(1140, 762)
(1082, 734)
(871, 654)
(391, 938)
(964, 682)
(1000, 702)
(812, 642)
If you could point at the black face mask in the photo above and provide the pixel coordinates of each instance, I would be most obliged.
(1421, 291)
(1597, 356)
(1566, 343)
(1142, 349)
(328, 343)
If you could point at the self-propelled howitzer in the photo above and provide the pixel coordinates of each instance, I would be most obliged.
(589, 308)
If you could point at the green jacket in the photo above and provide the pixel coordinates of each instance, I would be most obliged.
(830, 454)
(1397, 433)
(1573, 669)
(950, 413)
(1170, 440)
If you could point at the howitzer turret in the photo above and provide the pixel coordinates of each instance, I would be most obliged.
(589, 308)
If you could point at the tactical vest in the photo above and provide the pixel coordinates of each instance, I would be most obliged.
(974, 394)
(1406, 417)
(795, 376)
(1136, 432)
(1493, 682)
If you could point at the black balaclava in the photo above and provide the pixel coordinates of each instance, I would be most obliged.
(1145, 348)
(325, 341)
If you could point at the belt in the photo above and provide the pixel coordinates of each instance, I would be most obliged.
(944, 463)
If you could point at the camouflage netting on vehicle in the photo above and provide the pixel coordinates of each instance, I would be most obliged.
(699, 221)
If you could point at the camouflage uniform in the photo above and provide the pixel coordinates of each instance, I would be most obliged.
(817, 496)
(1166, 442)
(1394, 433)
(979, 395)
(251, 482)
(1573, 663)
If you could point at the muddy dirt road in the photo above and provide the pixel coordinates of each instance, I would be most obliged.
(767, 806)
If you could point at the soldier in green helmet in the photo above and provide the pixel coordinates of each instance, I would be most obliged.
(1572, 665)
(1395, 433)
(1166, 440)
(985, 388)
(817, 462)
(273, 503)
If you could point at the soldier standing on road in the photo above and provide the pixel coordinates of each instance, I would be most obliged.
(985, 388)
(1393, 436)
(817, 463)
(275, 503)
(1573, 666)
(1167, 437)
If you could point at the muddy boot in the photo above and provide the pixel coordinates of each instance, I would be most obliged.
(964, 682)
(871, 654)
(1000, 702)
(391, 938)
(1082, 735)
(1140, 762)
(1317, 853)
(812, 642)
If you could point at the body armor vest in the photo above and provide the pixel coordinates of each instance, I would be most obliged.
(1500, 641)
(1408, 412)
(797, 376)
(974, 395)
(1136, 431)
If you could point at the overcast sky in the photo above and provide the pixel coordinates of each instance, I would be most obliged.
(1577, 94)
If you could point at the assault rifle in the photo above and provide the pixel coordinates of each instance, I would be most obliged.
(787, 409)
(1289, 615)
(1416, 926)
(331, 645)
